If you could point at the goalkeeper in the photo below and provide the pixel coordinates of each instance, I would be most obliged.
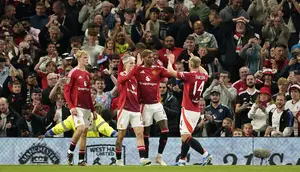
(98, 126)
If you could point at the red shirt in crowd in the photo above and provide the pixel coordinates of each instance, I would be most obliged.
(77, 90)
(280, 63)
(163, 57)
(43, 75)
(192, 89)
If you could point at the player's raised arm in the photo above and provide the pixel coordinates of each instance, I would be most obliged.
(171, 58)
(202, 70)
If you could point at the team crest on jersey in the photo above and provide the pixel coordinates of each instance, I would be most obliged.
(68, 80)
(143, 72)
(220, 110)
(154, 72)
(78, 121)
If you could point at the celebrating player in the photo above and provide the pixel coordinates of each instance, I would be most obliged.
(193, 86)
(129, 109)
(78, 96)
(149, 77)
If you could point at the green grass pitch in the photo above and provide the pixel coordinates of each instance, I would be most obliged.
(224, 168)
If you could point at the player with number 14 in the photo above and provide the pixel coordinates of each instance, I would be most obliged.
(190, 113)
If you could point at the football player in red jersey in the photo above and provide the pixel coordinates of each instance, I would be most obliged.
(193, 86)
(149, 77)
(129, 109)
(78, 96)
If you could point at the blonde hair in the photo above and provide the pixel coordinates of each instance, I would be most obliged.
(237, 130)
(282, 81)
(247, 124)
(195, 62)
(81, 53)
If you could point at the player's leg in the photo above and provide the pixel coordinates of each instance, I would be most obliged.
(87, 117)
(164, 130)
(78, 122)
(188, 122)
(123, 117)
(138, 128)
(82, 146)
(147, 114)
(119, 141)
(161, 118)
(146, 140)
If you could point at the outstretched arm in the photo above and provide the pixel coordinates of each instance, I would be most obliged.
(171, 58)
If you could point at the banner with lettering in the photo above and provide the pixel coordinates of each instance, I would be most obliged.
(101, 151)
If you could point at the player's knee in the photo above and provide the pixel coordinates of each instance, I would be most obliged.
(184, 137)
(80, 129)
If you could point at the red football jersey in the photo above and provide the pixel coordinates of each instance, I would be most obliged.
(149, 81)
(192, 89)
(127, 85)
(77, 91)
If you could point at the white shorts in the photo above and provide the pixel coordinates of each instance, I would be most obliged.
(125, 117)
(83, 117)
(188, 121)
(153, 111)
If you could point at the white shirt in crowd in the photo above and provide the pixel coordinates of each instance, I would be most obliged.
(295, 108)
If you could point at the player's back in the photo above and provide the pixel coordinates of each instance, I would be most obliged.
(78, 89)
(193, 86)
(149, 80)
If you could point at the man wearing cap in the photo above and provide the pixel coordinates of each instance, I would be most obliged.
(67, 60)
(297, 46)
(218, 111)
(227, 92)
(294, 63)
(234, 41)
(131, 26)
(294, 106)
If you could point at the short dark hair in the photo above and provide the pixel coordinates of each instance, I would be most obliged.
(154, 10)
(190, 38)
(226, 72)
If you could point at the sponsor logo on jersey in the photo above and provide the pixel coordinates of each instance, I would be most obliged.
(148, 78)
(80, 77)
(39, 154)
(103, 154)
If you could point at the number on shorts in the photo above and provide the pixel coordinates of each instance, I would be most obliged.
(198, 89)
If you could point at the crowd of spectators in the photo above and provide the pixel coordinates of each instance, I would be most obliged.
(250, 49)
